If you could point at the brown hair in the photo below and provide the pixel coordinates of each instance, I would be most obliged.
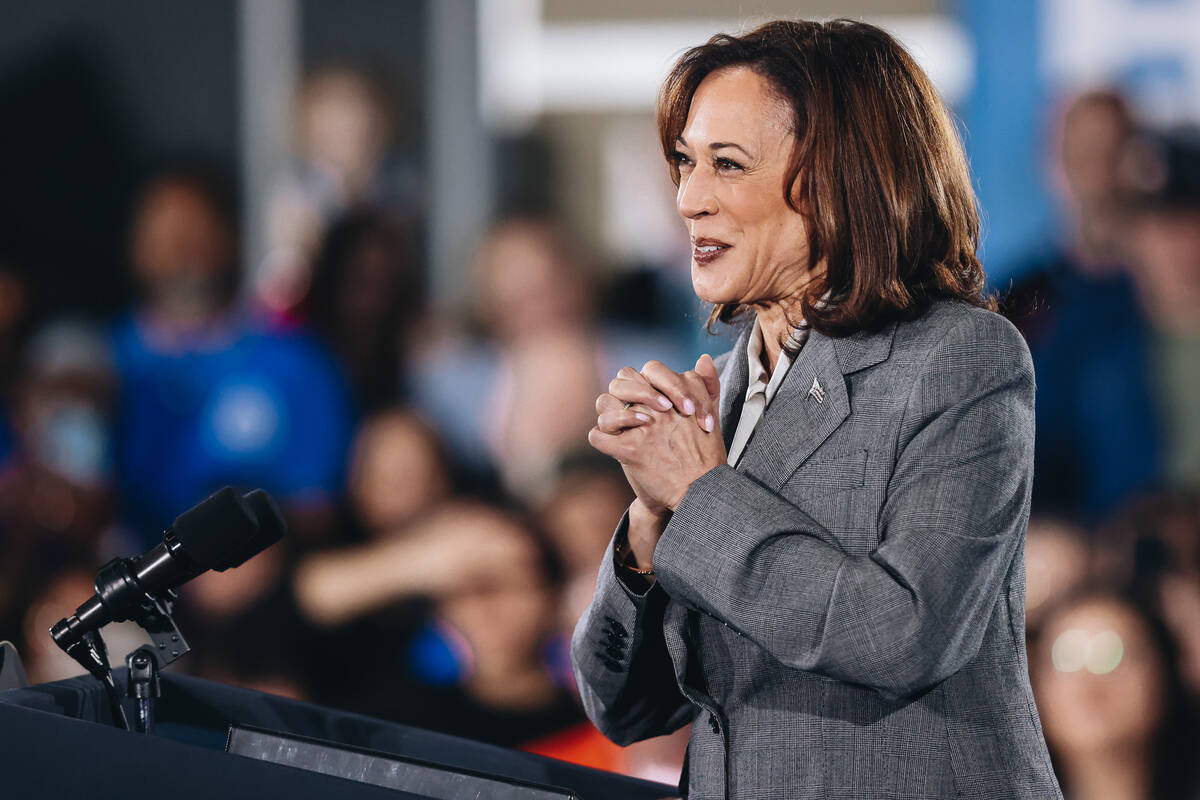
(877, 171)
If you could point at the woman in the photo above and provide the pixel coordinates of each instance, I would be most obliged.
(1117, 711)
(823, 568)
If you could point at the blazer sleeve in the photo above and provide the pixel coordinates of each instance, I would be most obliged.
(622, 668)
(913, 611)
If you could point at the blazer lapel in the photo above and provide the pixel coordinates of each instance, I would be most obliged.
(734, 379)
(810, 404)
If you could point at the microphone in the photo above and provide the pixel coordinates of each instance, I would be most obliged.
(220, 533)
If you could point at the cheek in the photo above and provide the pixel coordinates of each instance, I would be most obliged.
(774, 232)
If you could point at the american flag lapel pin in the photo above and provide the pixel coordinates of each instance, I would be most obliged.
(816, 392)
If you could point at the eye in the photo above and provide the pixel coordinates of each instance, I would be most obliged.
(726, 164)
(680, 160)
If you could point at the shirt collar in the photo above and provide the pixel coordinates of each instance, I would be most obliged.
(757, 378)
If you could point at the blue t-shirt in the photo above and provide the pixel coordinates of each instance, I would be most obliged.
(1098, 428)
(234, 405)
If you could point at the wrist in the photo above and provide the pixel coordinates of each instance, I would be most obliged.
(646, 522)
(646, 525)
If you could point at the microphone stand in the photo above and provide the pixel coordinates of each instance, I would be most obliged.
(150, 611)
(145, 662)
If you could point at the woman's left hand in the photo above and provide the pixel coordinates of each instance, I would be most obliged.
(662, 456)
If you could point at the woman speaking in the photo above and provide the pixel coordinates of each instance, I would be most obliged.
(823, 569)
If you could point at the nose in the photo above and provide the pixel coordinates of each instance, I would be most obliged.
(696, 197)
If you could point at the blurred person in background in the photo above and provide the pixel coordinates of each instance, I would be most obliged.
(577, 515)
(508, 390)
(58, 502)
(206, 396)
(1161, 173)
(1097, 437)
(1153, 547)
(262, 628)
(244, 625)
(399, 471)
(519, 396)
(344, 122)
(368, 592)
(492, 584)
(61, 487)
(1057, 561)
(1117, 718)
(502, 613)
(366, 300)
(587, 493)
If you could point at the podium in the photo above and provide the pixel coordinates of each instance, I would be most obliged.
(57, 740)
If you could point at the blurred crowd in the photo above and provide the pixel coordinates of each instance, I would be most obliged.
(446, 517)
(1111, 312)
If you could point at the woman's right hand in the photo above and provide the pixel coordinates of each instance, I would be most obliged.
(634, 396)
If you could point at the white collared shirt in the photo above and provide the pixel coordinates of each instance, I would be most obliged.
(760, 389)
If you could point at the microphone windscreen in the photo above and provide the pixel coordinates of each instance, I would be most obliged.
(271, 526)
(216, 532)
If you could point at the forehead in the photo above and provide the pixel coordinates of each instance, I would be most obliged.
(737, 105)
(1101, 614)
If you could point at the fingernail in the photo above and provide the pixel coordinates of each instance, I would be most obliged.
(642, 417)
(708, 423)
(688, 406)
(663, 403)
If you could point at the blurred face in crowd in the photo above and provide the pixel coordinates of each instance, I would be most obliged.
(530, 286)
(579, 516)
(503, 614)
(1056, 560)
(397, 473)
(748, 245)
(182, 248)
(1098, 679)
(343, 128)
(1092, 134)
(64, 430)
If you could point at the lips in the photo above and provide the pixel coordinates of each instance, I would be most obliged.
(706, 250)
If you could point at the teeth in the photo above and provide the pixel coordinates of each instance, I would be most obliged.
(708, 248)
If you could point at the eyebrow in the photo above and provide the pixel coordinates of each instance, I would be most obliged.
(714, 146)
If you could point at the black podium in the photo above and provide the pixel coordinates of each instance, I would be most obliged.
(57, 740)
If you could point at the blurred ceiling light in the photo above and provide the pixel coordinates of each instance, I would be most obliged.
(528, 67)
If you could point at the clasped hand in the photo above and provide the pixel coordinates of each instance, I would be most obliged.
(669, 433)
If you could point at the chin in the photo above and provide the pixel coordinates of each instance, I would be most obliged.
(710, 293)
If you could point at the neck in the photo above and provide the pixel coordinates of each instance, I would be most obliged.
(1122, 773)
(777, 321)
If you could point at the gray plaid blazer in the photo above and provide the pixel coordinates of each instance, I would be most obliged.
(843, 614)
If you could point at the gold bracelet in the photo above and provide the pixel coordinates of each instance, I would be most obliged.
(623, 558)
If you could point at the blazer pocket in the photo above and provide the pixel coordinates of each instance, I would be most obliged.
(832, 473)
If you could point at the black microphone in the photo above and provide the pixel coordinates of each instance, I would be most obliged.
(220, 533)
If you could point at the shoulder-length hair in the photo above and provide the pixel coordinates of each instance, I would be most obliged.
(877, 169)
